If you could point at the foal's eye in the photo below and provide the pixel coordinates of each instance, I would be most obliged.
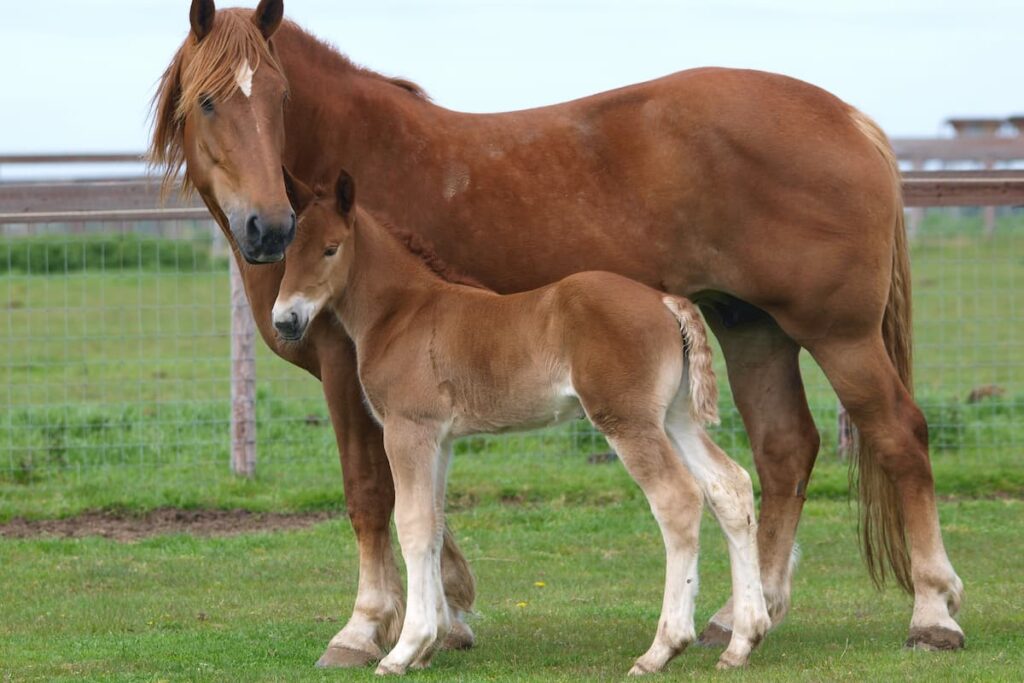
(206, 102)
(330, 251)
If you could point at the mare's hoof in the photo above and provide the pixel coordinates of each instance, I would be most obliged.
(935, 638)
(339, 657)
(714, 635)
(459, 638)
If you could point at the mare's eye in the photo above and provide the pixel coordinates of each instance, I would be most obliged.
(206, 102)
(330, 251)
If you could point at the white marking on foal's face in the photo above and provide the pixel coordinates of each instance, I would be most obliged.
(303, 310)
(243, 77)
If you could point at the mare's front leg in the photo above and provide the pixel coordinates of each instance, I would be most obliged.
(369, 495)
(419, 469)
(764, 373)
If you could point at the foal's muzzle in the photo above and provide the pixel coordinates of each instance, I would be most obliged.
(291, 321)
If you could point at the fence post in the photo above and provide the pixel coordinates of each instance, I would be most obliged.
(243, 379)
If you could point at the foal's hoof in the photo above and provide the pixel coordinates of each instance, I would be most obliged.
(386, 668)
(340, 657)
(714, 635)
(459, 638)
(727, 661)
(935, 638)
(641, 670)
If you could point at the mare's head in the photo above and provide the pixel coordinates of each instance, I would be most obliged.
(220, 113)
(316, 268)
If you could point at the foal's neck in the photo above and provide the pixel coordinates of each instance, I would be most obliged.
(383, 280)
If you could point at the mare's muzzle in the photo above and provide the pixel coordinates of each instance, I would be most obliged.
(262, 237)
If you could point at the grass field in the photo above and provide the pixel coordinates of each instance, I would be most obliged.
(117, 398)
(262, 607)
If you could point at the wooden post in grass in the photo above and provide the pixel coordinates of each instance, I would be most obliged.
(243, 379)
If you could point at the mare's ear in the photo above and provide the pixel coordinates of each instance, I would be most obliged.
(299, 194)
(201, 16)
(268, 16)
(345, 192)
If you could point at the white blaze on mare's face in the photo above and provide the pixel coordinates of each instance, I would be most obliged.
(243, 77)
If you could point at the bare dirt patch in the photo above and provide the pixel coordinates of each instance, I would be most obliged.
(128, 527)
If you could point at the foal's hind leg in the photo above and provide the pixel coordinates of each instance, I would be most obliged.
(895, 431)
(676, 503)
(727, 488)
(764, 373)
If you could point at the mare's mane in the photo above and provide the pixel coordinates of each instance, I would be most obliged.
(210, 72)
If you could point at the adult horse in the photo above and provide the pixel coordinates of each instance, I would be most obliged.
(772, 203)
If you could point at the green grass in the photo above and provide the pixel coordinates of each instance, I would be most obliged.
(263, 606)
(116, 398)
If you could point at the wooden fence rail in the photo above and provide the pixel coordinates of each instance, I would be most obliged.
(138, 199)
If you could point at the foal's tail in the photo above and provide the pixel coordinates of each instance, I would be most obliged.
(882, 529)
(703, 386)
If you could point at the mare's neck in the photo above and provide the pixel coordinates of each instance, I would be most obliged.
(341, 116)
(383, 280)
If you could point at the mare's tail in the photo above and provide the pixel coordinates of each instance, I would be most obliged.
(697, 352)
(883, 538)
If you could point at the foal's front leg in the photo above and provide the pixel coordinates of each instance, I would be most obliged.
(418, 468)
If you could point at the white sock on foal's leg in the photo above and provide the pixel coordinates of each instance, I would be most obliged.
(728, 490)
(675, 501)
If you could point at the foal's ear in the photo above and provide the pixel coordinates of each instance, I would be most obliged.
(345, 192)
(268, 16)
(201, 16)
(299, 194)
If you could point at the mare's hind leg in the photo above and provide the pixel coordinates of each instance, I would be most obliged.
(896, 433)
(676, 503)
(727, 488)
(764, 374)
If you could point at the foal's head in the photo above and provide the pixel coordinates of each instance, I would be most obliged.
(219, 111)
(318, 260)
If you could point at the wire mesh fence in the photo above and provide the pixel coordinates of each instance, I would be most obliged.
(116, 341)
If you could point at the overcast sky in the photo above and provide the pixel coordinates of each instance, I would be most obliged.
(77, 75)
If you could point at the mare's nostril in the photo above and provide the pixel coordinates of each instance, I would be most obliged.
(252, 230)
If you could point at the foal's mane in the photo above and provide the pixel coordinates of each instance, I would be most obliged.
(424, 250)
(210, 72)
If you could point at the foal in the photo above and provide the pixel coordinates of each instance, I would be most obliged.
(439, 360)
